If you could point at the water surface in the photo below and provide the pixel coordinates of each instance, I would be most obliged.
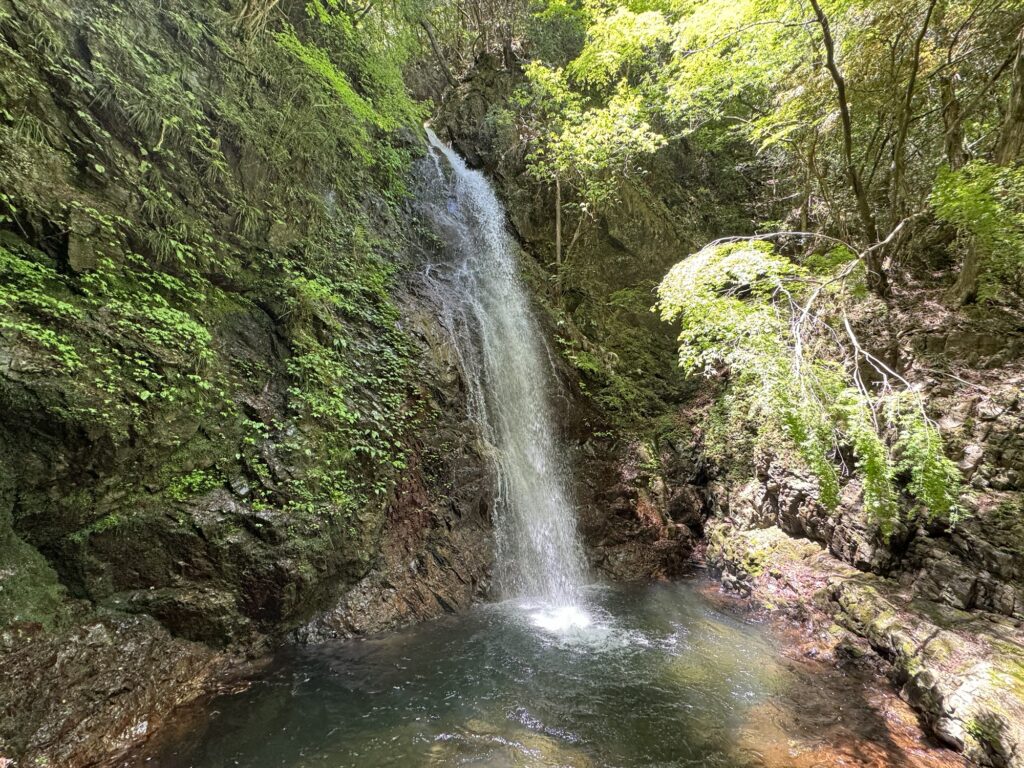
(659, 676)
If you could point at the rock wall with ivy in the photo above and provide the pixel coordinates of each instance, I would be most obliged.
(224, 419)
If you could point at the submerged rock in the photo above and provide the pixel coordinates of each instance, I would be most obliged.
(963, 671)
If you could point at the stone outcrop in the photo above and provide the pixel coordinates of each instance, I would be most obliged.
(642, 514)
(962, 671)
(437, 549)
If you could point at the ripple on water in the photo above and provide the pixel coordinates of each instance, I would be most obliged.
(633, 678)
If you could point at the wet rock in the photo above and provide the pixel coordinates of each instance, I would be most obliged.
(85, 243)
(436, 546)
(281, 235)
(133, 563)
(686, 504)
(960, 670)
(971, 459)
(963, 671)
(436, 557)
(639, 524)
(115, 677)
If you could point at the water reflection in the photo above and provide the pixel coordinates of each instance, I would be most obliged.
(654, 677)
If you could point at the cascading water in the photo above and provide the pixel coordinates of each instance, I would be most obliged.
(504, 361)
(644, 677)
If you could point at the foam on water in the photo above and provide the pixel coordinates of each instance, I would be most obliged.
(584, 628)
(561, 619)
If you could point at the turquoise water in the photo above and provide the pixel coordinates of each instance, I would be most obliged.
(659, 677)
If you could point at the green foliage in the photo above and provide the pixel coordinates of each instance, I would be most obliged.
(32, 313)
(725, 53)
(204, 189)
(360, 112)
(193, 484)
(874, 463)
(985, 202)
(556, 32)
(106, 523)
(934, 478)
(723, 298)
(356, 411)
(591, 149)
(124, 333)
(621, 396)
(718, 72)
(617, 44)
(809, 429)
(744, 313)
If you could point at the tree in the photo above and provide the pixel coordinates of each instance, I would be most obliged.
(586, 150)
(777, 331)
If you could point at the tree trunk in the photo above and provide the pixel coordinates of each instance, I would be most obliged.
(966, 287)
(1011, 136)
(1008, 150)
(965, 290)
(437, 52)
(953, 123)
(952, 110)
(805, 202)
(899, 151)
(558, 238)
(876, 275)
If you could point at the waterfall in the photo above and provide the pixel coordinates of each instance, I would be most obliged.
(500, 349)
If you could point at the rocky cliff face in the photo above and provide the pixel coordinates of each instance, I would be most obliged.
(227, 418)
(119, 664)
(641, 485)
(941, 607)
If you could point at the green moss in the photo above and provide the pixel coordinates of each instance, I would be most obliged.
(29, 589)
(34, 312)
(987, 729)
(133, 339)
(105, 523)
(1008, 671)
(193, 484)
(755, 551)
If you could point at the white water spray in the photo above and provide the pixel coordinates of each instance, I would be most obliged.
(503, 359)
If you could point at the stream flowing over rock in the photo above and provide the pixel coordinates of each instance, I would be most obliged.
(284, 373)
(501, 351)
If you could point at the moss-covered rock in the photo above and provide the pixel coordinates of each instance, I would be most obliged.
(960, 670)
(207, 395)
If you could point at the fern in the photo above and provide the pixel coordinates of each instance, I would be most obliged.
(873, 462)
(740, 310)
(935, 480)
